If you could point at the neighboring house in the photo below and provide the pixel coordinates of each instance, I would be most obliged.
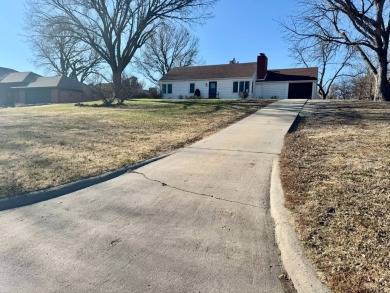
(31, 88)
(3, 91)
(229, 80)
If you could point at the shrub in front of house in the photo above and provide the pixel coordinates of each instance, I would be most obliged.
(243, 95)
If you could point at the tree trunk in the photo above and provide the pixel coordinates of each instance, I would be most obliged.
(117, 86)
(382, 84)
(322, 92)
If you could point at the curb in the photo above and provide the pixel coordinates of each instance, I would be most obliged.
(33, 197)
(297, 266)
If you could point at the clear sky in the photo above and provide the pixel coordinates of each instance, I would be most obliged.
(241, 29)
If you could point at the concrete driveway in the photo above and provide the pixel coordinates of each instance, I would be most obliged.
(196, 221)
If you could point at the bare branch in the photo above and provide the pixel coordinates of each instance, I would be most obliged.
(168, 47)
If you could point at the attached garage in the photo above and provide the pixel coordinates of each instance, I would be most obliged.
(38, 96)
(295, 83)
(302, 90)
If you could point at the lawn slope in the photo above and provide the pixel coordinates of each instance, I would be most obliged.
(45, 146)
(335, 170)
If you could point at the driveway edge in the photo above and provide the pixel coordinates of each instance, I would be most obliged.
(33, 197)
(298, 267)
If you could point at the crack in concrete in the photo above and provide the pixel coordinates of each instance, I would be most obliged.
(193, 192)
(239, 151)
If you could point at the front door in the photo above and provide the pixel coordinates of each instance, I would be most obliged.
(212, 89)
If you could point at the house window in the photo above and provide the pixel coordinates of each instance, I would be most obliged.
(235, 86)
(247, 86)
(244, 86)
(166, 88)
(192, 88)
(241, 86)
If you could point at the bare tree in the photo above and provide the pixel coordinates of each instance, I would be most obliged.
(343, 89)
(233, 61)
(363, 25)
(131, 86)
(363, 87)
(116, 29)
(330, 58)
(57, 50)
(169, 46)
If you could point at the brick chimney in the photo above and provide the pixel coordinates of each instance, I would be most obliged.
(262, 63)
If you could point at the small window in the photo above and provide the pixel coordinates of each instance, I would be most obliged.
(192, 88)
(164, 88)
(169, 88)
(241, 86)
(235, 87)
(246, 86)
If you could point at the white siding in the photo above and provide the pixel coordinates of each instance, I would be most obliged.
(267, 90)
(258, 92)
(277, 89)
(181, 89)
(314, 91)
(224, 88)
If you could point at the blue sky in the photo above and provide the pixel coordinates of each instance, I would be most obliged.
(240, 29)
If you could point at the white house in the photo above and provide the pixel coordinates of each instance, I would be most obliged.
(229, 80)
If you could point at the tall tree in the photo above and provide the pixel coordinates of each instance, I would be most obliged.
(58, 51)
(169, 46)
(116, 29)
(332, 61)
(363, 25)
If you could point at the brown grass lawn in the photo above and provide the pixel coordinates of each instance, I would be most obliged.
(335, 170)
(45, 146)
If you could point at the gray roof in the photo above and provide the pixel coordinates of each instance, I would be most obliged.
(56, 81)
(18, 77)
(33, 80)
(4, 72)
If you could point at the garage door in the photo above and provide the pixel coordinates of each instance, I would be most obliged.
(38, 96)
(300, 90)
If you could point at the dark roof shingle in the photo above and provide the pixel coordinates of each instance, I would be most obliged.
(293, 74)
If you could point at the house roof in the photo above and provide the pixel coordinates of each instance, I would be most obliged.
(18, 77)
(294, 74)
(4, 72)
(56, 81)
(240, 70)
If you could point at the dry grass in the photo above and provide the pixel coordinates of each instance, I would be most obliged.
(45, 146)
(336, 175)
